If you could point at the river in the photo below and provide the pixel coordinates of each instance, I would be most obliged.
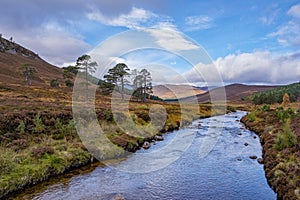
(212, 166)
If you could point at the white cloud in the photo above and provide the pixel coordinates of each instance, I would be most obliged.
(257, 67)
(198, 22)
(289, 33)
(134, 19)
(295, 11)
(270, 14)
(51, 42)
(267, 20)
(168, 37)
(160, 28)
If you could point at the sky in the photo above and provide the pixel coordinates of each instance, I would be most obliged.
(253, 42)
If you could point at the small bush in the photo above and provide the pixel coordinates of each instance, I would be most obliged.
(21, 128)
(133, 117)
(266, 108)
(108, 115)
(251, 117)
(39, 126)
(63, 131)
(231, 108)
(287, 139)
(282, 114)
(54, 83)
(69, 83)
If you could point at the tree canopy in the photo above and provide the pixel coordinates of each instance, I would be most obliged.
(276, 95)
(117, 77)
(139, 82)
(88, 66)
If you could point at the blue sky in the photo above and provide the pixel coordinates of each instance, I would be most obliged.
(248, 41)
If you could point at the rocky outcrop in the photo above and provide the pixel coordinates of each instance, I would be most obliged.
(9, 46)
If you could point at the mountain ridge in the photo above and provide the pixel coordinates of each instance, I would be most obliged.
(235, 92)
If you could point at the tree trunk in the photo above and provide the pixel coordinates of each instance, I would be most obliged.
(86, 83)
(122, 85)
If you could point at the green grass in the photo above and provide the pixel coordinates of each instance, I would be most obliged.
(287, 139)
(252, 117)
(19, 169)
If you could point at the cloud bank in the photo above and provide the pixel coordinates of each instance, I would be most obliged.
(257, 67)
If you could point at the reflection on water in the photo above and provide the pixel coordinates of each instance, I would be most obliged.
(226, 172)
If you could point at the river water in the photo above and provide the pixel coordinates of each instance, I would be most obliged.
(210, 165)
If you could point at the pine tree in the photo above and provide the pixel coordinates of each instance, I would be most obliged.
(28, 72)
(142, 84)
(86, 64)
(117, 76)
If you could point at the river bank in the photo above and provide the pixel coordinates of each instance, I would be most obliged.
(279, 133)
(37, 145)
(226, 171)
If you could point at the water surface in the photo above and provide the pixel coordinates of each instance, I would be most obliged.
(216, 165)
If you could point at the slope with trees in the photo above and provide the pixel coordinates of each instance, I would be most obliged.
(276, 95)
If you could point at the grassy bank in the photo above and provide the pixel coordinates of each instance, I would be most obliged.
(42, 142)
(279, 132)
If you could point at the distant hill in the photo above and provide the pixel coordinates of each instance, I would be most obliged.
(13, 57)
(234, 92)
(276, 95)
(170, 91)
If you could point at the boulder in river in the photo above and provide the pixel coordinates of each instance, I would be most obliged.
(199, 125)
(260, 161)
(146, 145)
(246, 144)
(118, 197)
(253, 157)
(158, 138)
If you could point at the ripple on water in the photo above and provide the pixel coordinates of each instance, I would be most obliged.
(225, 172)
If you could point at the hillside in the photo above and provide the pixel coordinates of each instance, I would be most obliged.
(170, 91)
(234, 92)
(13, 57)
(15, 92)
(275, 95)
